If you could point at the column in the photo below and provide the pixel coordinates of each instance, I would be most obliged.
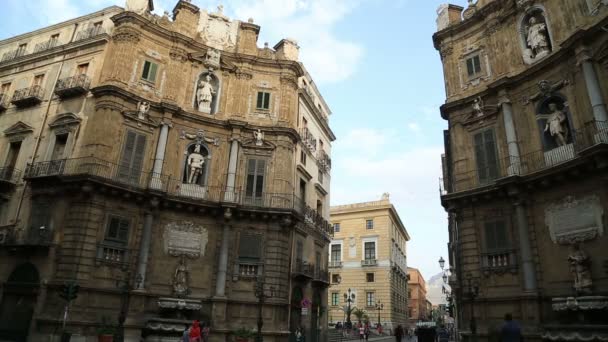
(507, 115)
(525, 248)
(593, 86)
(157, 169)
(229, 195)
(144, 249)
(222, 268)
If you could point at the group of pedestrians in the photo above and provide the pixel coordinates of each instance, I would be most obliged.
(196, 333)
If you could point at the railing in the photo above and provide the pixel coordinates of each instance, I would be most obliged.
(304, 268)
(267, 200)
(9, 174)
(39, 236)
(311, 216)
(4, 101)
(369, 262)
(74, 84)
(98, 168)
(308, 139)
(592, 133)
(248, 270)
(26, 95)
(90, 32)
(498, 259)
(49, 44)
(7, 56)
(321, 275)
(324, 160)
(335, 264)
(110, 253)
(178, 188)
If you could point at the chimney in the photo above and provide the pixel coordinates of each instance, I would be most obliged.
(447, 15)
(287, 49)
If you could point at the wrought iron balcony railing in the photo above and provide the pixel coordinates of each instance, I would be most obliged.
(7, 56)
(90, 32)
(73, 86)
(308, 140)
(311, 216)
(324, 160)
(321, 275)
(49, 44)
(303, 269)
(9, 175)
(28, 96)
(4, 102)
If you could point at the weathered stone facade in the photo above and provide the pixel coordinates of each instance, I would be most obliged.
(157, 168)
(525, 165)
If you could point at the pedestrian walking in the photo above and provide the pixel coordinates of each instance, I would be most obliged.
(195, 332)
(205, 332)
(299, 335)
(399, 333)
(186, 335)
(510, 332)
(361, 332)
(366, 332)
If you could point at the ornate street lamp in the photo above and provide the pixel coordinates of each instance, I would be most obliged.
(472, 292)
(349, 298)
(441, 262)
(261, 296)
(126, 286)
(379, 307)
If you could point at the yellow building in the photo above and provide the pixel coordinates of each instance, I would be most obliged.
(368, 256)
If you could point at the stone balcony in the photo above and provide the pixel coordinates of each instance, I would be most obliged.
(72, 86)
(10, 55)
(369, 262)
(303, 270)
(335, 264)
(28, 96)
(9, 177)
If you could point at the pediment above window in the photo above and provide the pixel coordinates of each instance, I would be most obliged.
(65, 119)
(18, 128)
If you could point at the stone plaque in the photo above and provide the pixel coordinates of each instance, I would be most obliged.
(575, 220)
(185, 238)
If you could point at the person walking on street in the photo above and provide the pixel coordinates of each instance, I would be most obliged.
(510, 332)
(186, 335)
(195, 332)
(366, 332)
(205, 332)
(399, 333)
(361, 332)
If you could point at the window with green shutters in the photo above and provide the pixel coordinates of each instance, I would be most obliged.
(486, 156)
(118, 230)
(149, 71)
(131, 160)
(256, 168)
(496, 236)
(263, 101)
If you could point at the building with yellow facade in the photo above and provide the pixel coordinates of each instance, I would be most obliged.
(368, 256)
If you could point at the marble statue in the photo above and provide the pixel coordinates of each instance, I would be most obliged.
(259, 137)
(537, 39)
(195, 164)
(478, 106)
(180, 279)
(204, 94)
(557, 125)
(581, 270)
(142, 109)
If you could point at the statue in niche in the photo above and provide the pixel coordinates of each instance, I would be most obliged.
(580, 266)
(195, 165)
(180, 279)
(259, 137)
(537, 38)
(205, 94)
(142, 109)
(557, 125)
(478, 106)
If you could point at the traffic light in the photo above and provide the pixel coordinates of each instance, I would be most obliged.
(69, 291)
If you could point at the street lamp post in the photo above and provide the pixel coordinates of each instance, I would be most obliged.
(261, 296)
(379, 307)
(349, 298)
(126, 286)
(472, 292)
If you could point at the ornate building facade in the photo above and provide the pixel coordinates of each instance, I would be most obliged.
(525, 166)
(368, 257)
(156, 162)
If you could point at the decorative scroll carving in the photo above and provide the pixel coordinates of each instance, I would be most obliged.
(185, 238)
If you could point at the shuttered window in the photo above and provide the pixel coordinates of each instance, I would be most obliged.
(250, 247)
(255, 177)
(473, 66)
(149, 71)
(118, 229)
(263, 101)
(496, 236)
(486, 156)
(131, 161)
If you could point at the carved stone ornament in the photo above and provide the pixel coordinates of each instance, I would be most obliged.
(126, 35)
(580, 303)
(200, 137)
(525, 4)
(20, 128)
(212, 58)
(572, 221)
(546, 89)
(64, 120)
(181, 279)
(580, 267)
(181, 304)
(140, 116)
(217, 30)
(185, 238)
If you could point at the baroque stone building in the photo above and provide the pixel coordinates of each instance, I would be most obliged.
(525, 166)
(368, 257)
(168, 166)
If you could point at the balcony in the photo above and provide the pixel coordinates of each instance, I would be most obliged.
(28, 96)
(7, 56)
(303, 270)
(38, 239)
(335, 264)
(321, 277)
(49, 44)
(113, 254)
(248, 270)
(89, 33)
(498, 261)
(589, 136)
(4, 102)
(308, 140)
(312, 217)
(324, 161)
(369, 262)
(9, 176)
(72, 86)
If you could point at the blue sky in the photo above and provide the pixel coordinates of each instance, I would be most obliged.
(375, 64)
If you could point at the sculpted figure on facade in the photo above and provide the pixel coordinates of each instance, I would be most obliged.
(580, 268)
(557, 125)
(180, 279)
(204, 94)
(478, 106)
(259, 137)
(537, 38)
(195, 165)
(142, 110)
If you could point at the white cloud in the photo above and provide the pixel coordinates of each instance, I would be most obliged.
(413, 126)
(362, 140)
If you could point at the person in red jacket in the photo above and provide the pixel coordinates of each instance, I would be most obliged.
(195, 332)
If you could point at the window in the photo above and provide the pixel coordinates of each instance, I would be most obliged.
(473, 66)
(303, 157)
(303, 190)
(82, 69)
(318, 261)
(61, 141)
(250, 247)
(409, 293)
(369, 277)
(263, 100)
(149, 71)
(486, 156)
(97, 26)
(256, 169)
(370, 251)
(299, 250)
(319, 207)
(13, 154)
(4, 89)
(336, 253)
(335, 299)
(118, 229)
(54, 40)
(369, 224)
(335, 278)
(320, 176)
(336, 227)
(21, 49)
(38, 80)
(131, 161)
(496, 236)
(369, 299)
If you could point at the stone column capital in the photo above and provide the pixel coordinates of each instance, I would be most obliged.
(583, 54)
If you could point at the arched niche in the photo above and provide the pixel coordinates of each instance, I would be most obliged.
(535, 35)
(207, 85)
(189, 175)
(549, 112)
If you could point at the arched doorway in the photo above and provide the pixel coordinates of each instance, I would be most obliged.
(18, 302)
